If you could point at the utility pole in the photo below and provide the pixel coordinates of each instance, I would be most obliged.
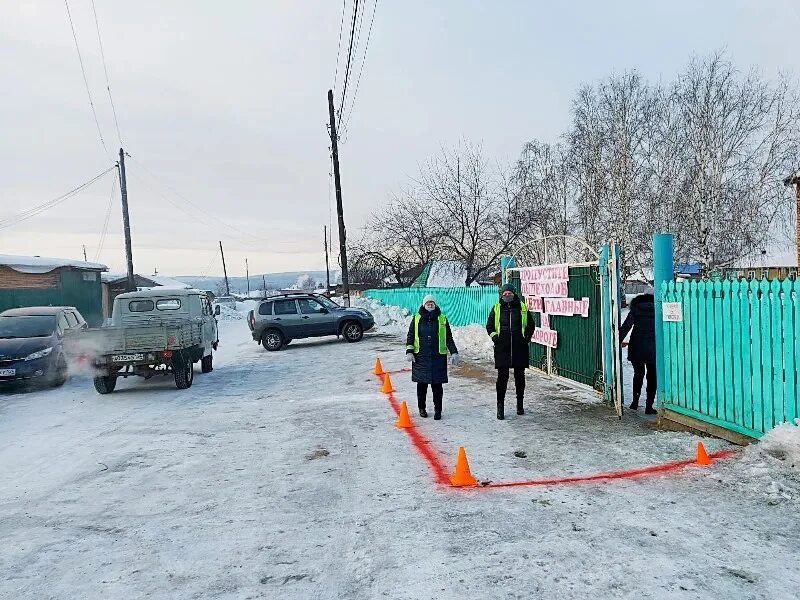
(339, 210)
(247, 270)
(84, 254)
(794, 179)
(264, 283)
(327, 262)
(126, 221)
(224, 270)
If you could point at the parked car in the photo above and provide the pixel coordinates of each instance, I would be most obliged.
(34, 343)
(154, 332)
(280, 319)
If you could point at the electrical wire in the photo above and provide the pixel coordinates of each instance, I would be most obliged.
(339, 46)
(44, 206)
(361, 68)
(85, 80)
(349, 60)
(105, 70)
(103, 234)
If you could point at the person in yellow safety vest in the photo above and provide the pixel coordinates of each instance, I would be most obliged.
(511, 328)
(428, 342)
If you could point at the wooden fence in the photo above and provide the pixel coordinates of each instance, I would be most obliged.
(732, 360)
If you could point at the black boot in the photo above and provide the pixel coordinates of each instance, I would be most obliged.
(635, 404)
(501, 409)
(437, 416)
(648, 409)
(423, 413)
(520, 409)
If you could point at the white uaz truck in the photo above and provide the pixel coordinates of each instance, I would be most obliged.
(153, 332)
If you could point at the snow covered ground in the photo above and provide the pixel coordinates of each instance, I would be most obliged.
(281, 475)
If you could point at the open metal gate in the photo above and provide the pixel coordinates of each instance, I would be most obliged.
(587, 350)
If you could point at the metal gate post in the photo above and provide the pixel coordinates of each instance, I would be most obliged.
(663, 271)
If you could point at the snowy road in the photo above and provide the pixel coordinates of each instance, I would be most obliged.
(281, 476)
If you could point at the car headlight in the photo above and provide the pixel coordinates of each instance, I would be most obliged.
(39, 354)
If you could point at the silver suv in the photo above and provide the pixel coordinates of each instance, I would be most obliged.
(280, 319)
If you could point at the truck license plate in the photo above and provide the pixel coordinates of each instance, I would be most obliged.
(8, 372)
(127, 357)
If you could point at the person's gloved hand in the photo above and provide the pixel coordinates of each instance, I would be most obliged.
(495, 338)
(455, 359)
(410, 357)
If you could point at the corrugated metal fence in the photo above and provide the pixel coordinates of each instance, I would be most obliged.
(734, 359)
(462, 306)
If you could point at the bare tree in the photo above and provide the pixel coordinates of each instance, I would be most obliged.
(739, 138)
(476, 212)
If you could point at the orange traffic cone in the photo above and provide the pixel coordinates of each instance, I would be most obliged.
(462, 476)
(387, 384)
(702, 455)
(403, 420)
(378, 367)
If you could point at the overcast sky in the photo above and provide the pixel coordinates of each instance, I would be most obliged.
(222, 106)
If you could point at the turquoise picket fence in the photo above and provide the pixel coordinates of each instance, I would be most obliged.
(733, 360)
(462, 306)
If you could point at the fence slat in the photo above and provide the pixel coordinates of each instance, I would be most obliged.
(737, 354)
(778, 332)
(790, 331)
(756, 334)
(767, 343)
(796, 316)
(719, 401)
(726, 350)
(705, 343)
(694, 345)
(684, 346)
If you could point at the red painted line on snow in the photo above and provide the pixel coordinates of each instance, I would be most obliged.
(625, 474)
(424, 447)
(426, 450)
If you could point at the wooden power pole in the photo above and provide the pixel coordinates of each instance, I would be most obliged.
(794, 179)
(126, 221)
(339, 210)
(224, 270)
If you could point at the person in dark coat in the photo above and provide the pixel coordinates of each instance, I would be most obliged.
(642, 347)
(428, 342)
(510, 326)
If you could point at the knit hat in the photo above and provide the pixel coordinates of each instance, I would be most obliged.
(429, 298)
(508, 288)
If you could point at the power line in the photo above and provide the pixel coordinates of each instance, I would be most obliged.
(85, 80)
(44, 206)
(339, 46)
(349, 59)
(361, 68)
(105, 70)
(103, 234)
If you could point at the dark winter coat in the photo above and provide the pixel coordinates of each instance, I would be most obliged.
(642, 318)
(429, 366)
(511, 346)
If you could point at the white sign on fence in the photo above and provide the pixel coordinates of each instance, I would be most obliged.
(673, 312)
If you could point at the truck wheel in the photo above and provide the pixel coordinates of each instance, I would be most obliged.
(353, 331)
(183, 369)
(59, 375)
(207, 364)
(272, 340)
(105, 384)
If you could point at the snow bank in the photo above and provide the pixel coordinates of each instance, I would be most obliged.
(471, 340)
(781, 443)
(226, 313)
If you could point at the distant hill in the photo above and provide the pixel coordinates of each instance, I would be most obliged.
(275, 281)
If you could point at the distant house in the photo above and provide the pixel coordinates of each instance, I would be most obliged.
(43, 281)
(773, 263)
(115, 284)
(443, 274)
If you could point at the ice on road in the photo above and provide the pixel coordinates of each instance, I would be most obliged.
(281, 475)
